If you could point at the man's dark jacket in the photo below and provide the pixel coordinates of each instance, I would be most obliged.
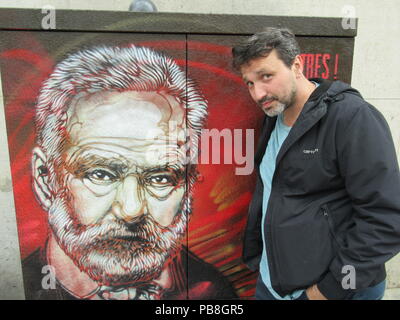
(335, 198)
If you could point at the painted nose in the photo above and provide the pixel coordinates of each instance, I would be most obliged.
(129, 203)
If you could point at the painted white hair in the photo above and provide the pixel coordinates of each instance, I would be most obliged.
(106, 68)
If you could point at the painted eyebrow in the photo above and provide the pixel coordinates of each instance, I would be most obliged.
(81, 164)
(177, 170)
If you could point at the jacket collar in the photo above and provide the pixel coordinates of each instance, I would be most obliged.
(313, 112)
(314, 109)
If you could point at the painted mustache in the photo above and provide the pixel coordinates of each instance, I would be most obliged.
(144, 232)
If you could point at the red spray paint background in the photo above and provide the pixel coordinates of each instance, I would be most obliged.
(221, 198)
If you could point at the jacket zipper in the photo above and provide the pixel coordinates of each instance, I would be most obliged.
(326, 214)
(272, 259)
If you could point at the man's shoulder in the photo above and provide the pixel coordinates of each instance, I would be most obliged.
(201, 269)
(32, 267)
(204, 280)
(39, 282)
(341, 95)
(346, 102)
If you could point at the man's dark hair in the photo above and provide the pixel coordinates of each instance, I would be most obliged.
(262, 43)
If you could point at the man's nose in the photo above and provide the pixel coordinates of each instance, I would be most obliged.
(258, 92)
(129, 202)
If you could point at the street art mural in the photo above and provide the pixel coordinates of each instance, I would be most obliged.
(118, 195)
(113, 178)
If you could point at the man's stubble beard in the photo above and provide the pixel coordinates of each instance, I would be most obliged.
(114, 252)
(276, 110)
(281, 105)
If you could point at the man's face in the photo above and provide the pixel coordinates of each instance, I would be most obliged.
(119, 214)
(271, 83)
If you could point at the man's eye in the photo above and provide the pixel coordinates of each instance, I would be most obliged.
(162, 180)
(101, 176)
(249, 84)
(266, 76)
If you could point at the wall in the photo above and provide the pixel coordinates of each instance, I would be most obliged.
(374, 69)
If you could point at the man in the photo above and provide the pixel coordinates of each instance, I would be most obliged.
(325, 215)
(110, 169)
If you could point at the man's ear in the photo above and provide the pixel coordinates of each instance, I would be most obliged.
(40, 175)
(298, 66)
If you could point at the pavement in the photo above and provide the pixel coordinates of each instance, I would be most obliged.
(392, 294)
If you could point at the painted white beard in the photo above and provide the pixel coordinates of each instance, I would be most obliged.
(113, 253)
(278, 109)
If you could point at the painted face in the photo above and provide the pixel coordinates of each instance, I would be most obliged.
(271, 83)
(121, 213)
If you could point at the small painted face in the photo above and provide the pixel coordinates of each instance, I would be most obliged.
(271, 83)
(125, 184)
